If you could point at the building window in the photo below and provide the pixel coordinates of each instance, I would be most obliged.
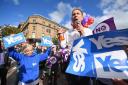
(49, 25)
(34, 21)
(43, 34)
(33, 34)
(34, 28)
(48, 30)
(54, 26)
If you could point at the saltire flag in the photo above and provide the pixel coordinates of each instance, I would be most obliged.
(100, 55)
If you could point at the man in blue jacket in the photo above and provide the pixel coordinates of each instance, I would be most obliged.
(29, 64)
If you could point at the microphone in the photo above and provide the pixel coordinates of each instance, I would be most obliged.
(77, 22)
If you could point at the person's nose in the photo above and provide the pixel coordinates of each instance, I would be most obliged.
(75, 15)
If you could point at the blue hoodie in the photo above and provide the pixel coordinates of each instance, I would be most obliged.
(29, 65)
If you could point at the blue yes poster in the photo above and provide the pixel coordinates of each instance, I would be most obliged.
(46, 41)
(100, 55)
(13, 40)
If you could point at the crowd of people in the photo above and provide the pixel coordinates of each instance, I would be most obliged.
(29, 58)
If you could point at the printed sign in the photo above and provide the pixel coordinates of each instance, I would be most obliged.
(13, 40)
(110, 61)
(46, 41)
(107, 25)
(80, 59)
(112, 64)
(108, 41)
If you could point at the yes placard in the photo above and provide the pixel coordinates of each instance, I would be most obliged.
(100, 55)
(112, 64)
(46, 41)
(13, 40)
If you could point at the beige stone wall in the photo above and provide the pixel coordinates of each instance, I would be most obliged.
(37, 26)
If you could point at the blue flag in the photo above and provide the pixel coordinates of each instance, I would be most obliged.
(100, 55)
(81, 61)
(109, 41)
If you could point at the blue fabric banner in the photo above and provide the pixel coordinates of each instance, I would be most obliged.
(80, 58)
(108, 41)
(100, 55)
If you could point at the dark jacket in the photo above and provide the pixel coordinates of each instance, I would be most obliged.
(5, 55)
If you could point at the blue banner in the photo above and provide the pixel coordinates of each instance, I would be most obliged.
(46, 41)
(14, 39)
(113, 64)
(108, 41)
(80, 58)
(100, 55)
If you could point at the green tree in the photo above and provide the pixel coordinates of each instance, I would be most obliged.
(7, 30)
(55, 40)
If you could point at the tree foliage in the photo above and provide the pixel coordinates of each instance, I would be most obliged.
(55, 40)
(7, 30)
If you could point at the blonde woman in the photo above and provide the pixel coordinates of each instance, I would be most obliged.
(29, 64)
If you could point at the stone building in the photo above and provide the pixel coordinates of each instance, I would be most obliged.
(37, 26)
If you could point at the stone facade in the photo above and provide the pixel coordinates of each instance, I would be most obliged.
(37, 26)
